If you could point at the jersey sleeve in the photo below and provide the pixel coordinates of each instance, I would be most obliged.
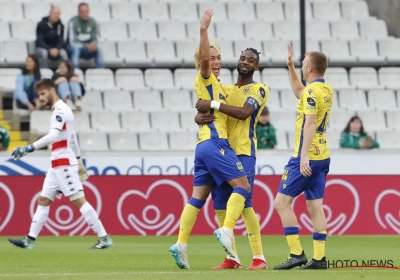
(258, 97)
(57, 120)
(310, 101)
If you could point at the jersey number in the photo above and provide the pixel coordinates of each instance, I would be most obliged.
(322, 126)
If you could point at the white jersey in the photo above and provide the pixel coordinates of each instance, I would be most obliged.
(62, 149)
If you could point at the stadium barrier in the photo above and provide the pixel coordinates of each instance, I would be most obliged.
(151, 205)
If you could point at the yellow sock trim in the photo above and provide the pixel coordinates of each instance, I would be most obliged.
(253, 231)
(234, 208)
(319, 248)
(188, 219)
(221, 214)
(294, 244)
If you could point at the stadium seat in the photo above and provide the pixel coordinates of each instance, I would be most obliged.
(258, 30)
(153, 141)
(185, 51)
(329, 11)
(311, 45)
(355, 10)
(338, 52)
(34, 10)
(135, 121)
(5, 33)
(147, 100)
(142, 32)
(345, 29)
(337, 77)
(23, 31)
(283, 30)
(68, 10)
(276, 52)
(289, 100)
(274, 102)
(335, 102)
(82, 122)
(129, 79)
(284, 121)
(183, 141)
(389, 48)
(8, 78)
(292, 10)
(11, 11)
(339, 119)
(267, 11)
(184, 78)
(118, 101)
(393, 119)
(193, 31)
(364, 78)
(225, 77)
(389, 139)
(125, 11)
(109, 50)
(373, 29)
(353, 100)
(133, 53)
(46, 73)
(93, 142)
(163, 53)
(373, 121)
(219, 10)
(318, 30)
(228, 57)
(276, 78)
(92, 101)
(241, 45)
(390, 77)
(40, 122)
(178, 100)
(366, 52)
(108, 28)
(123, 142)
(187, 121)
(240, 11)
(154, 11)
(104, 121)
(159, 78)
(14, 52)
(100, 79)
(382, 100)
(183, 11)
(333, 138)
(281, 139)
(100, 11)
(80, 74)
(165, 121)
(172, 30)
(229, 30)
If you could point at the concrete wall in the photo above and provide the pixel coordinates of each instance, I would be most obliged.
(389, 11)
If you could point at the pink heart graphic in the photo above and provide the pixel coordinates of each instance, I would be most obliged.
(162, 221)
(4, 220)
(343, 221)
(389, 218)
(74, 223)
(262, 194)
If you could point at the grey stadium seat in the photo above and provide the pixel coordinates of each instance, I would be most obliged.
(281, 139)
(283, 30)
(185, 51)
(276, 78)
(46, 73)
(225, 76)
(269, 11)
(184, 78)
(133, 53)
(142, 32)
(274, 101)
(373, 29)
(163, 53)
(345, 29)
(183, 141)
(104, 121)
(285, 121)
(355, 10)
(382, 100)
(292, 10)
(154, 11)
(125, 11)
(100, 79)
(389, 48)
(258, 30)
(159, 78)
(100, 11)
(23, 30)
(373, 121)
(393, 119)
(165, 121)
(389, 139)
(193, 31)
(276, 52)
(183, 11)
(82, 122)
(229, 30)
(135, 121)
(153, 141)
(93, 142)
(108, 28)
(171, 30)
(364, 78)
(92, 101)
(241, 11)
(220, 13)
(8, 78)
(339, 119)
(318, 30)
(289, 100)
(5, 33)
(39, 122)
(147, 100)
(34, 10)
(187, 121)
(327, 11)
(353, 100)
(109, 50)
(14, 52)
(390, 77)
(338, 52)
(338, 78)
(118, 101)
(123, 142)
(130, 79)
(11, 11)
(366, 52)
(177, 100)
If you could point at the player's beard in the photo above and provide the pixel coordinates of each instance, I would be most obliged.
(247, 74)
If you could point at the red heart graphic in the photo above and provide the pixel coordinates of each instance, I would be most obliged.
(6, 199)
(385, 206)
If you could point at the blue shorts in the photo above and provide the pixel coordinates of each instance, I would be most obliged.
(293, 183)
(221, 193)
(215, 162)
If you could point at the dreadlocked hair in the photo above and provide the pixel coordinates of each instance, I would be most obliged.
(257, 53)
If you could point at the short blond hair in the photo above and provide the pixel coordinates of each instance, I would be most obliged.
(197, 54)
(319, 61)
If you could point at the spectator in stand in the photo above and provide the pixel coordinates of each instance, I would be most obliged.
(355, 137)
(50, 38)
(266, 138)
(25, 95)
(4, 138)
(69, 87)
(82, 38)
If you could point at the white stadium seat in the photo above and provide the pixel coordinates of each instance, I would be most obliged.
(100, 11)
(339, 119)
(11, 11)
(355, 10)
(82, 122)
(154, 11)
(108, 28)
(225, 77)
(276, 78)
(389, 139)
(269, 11)
(125, 11)
(281, 139)
(135, 121)
(274, 102)
(106, 121)
(240, 11)
(364, 78)
(338, 52)
(338, 78)
(333, 138)
(123, 142)
(393, 119)
(276, 52)
(184, 78)
(283, 30)
(318, 30)
(284, 121)
(172, 30)
(147, 100)
(183, 141)
(46, 73)
(5, 33)
(92, 101)
(159, 78)
(389, 48)
(326, 11)
(23, 31)
(68, 10)
(187, 121)
(289, 100)
(153, 141)
(220, 13)
(390, 77)
(133, 53)
(8, 78)
(109, 50)
(118, 101)
(193, 31)
(130, 79)
(93, 142)
(382, 100)
(185, 51)
(39, 122)
(311, 45)
(258, 30)
(142, 32)
(163, 53)
(229, 30)
(353, 100)
(366, 52)
(345, 29)
(177, 100)
(14, 52)
(292, 10)
(373, 29)
(183, 11)
(256, 77)
(34, 10)
(373, 121)
(100, 79)
(240, 46)
(165, 121)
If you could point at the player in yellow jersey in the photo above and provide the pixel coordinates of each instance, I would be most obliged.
(215, 161)
(245, 101)
(307, 169)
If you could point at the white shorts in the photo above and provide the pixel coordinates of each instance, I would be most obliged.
(63, 179)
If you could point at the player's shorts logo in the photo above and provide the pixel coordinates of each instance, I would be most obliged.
(7, 202)
(239, 165)
(338, 219)
(155, 211)
(385, 205)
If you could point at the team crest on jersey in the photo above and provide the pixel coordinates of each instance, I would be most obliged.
(221, 97)
(246, 90)
(261, 92)
(239, 165)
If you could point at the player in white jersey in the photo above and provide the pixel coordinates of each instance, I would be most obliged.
(66, 172)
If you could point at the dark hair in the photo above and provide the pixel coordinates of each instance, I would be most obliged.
(319, 61)
(45, 84)
(82, 4)
(70, 68)
(257, 53)
(36, 69)
(352, 119)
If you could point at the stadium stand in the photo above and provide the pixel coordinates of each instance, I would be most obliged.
(144, 100)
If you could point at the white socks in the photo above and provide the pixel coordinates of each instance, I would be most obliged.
(91, 217)
(38, 220)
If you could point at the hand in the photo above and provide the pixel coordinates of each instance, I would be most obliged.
(203, 105)
(21, 151)
(92, 47)
(53, 52)
(305, 168)
(83, 175)
(206, 19)
(204, 118)
(289, 55)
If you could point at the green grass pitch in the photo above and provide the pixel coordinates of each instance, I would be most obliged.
(148, 258)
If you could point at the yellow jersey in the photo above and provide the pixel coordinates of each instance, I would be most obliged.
(242, 134)
(211, 89)
(316, 99)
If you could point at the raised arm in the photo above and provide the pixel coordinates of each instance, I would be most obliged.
(205, 21)
(295, 82)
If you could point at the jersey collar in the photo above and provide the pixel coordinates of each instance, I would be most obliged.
(321, 80)
(250, 82)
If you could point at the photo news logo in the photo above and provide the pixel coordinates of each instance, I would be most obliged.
(384, 264)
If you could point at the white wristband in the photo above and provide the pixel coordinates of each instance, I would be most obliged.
(215, 104)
